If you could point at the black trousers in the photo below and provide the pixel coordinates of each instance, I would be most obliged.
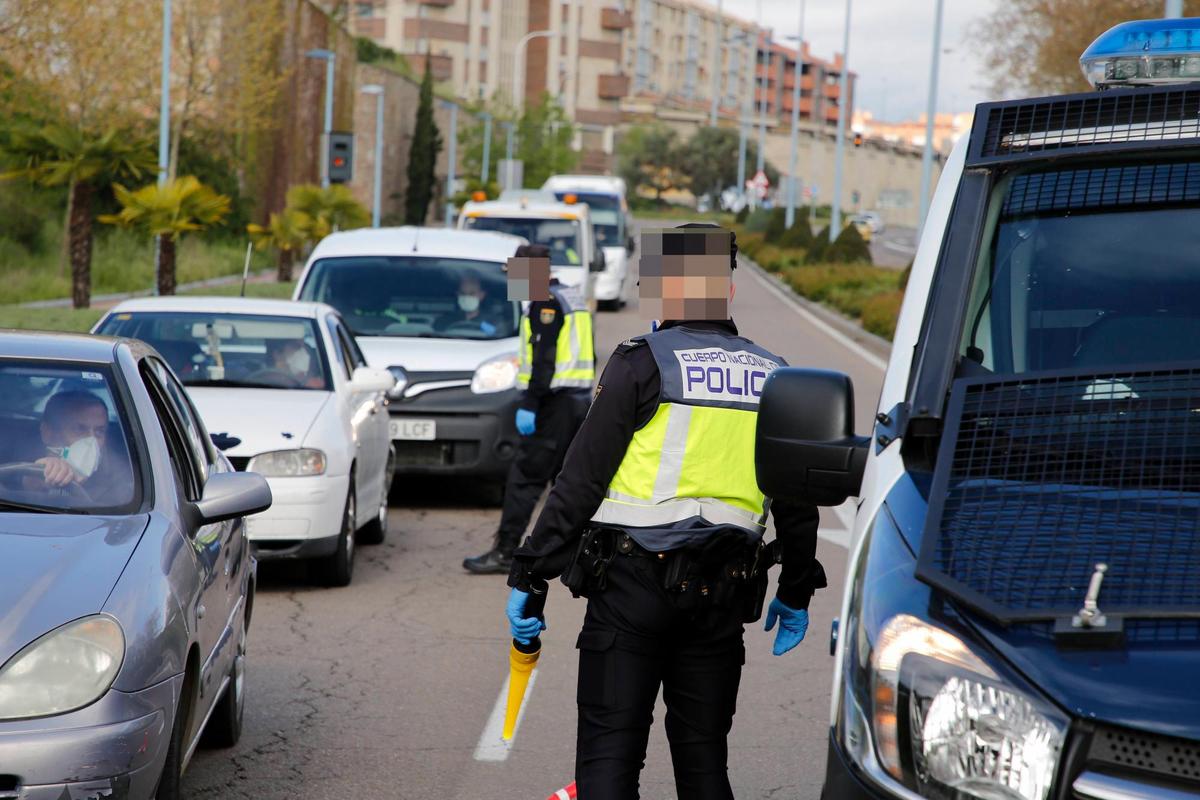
(634, 640)
(539, 458)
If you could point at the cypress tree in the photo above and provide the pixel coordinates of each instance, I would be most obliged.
(422, 156)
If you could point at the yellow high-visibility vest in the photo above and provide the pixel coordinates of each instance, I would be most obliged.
(575, 352)
(689, 471)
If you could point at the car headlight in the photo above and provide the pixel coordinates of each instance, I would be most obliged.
(495, 375)
(66, 669)
(288, 463)
(947, 725)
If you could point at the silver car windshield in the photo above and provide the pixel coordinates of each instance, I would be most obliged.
(442, 298)
(65, 443)
(245, 350)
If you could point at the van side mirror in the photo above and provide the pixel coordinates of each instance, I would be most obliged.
(598, 261)
(805, 448)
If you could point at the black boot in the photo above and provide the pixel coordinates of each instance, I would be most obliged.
(493, 562)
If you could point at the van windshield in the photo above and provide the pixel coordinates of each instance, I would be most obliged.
(443, 298)
(560, 235)
(1090, 267)
(605, 211)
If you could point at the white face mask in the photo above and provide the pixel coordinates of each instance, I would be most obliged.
(299, 361)
(468, 302)
(83, 456)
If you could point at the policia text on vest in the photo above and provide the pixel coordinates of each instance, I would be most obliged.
(656, 517)
(556, 371)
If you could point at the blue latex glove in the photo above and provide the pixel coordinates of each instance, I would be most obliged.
(526, 421)
(523, 628)
(487, 327)
(793, 624)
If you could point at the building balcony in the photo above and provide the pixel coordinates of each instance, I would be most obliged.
(612, 87)
(614, 19)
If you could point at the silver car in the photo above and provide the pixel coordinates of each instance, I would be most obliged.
(126, 580)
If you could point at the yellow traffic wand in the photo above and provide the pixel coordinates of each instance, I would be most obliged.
(522, 658)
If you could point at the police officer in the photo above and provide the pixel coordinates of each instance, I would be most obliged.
(556, 370)
(657, 519)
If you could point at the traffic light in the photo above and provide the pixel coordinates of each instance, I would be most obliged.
(341, 157)
(858, 139)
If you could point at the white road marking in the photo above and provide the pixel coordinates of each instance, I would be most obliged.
(839, 337)
(492, 746)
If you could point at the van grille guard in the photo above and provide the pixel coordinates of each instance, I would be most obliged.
(1042, 477)
(1081, 123)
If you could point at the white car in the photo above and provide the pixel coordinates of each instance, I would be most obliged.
(404, 294)
(285, 392)
(604, 196)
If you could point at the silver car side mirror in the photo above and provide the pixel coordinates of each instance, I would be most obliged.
(228, 495)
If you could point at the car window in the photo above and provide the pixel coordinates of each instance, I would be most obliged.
(256, 351)
(65, 439)
(197, 433)
(352, 352)
(422, 296)
(1086, 268)
(197, 452)
(561, 236)
(183, 463)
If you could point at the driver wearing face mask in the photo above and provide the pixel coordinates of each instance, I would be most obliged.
(292, 357)
(471, 295)
(73, 430)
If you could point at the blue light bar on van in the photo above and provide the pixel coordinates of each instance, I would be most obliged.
(1147, 52)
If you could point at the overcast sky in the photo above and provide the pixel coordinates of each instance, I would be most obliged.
(890, 47)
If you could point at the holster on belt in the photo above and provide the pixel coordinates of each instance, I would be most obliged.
(588, 570)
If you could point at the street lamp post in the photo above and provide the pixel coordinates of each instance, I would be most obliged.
(451, 163)
(1173, 9)
(793, 155)
(930, 113)
(762, 106)
(164, 120)
(835, 221)
(718, 40)
(519, 63)
(508, 154)
(487, 146)
(329, 57)
(376, 193)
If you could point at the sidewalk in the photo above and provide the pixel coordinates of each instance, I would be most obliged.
(110, 300)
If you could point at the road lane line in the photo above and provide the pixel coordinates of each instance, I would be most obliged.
(791, 302)
(492, 746)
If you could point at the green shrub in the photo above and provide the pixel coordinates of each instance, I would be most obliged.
(775, 225)
(879, 314)
(848, 248)
(24, 212)
(757, 221)
(740, 217)
(905, 275)
(799, 236)
(820, 243)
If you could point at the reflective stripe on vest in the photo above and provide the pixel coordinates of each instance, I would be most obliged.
(575, 354)
(690, 469)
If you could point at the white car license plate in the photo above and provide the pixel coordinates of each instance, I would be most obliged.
(421, 429)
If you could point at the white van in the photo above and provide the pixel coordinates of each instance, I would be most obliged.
(1021, 616)
(604, 196)
(401, 293)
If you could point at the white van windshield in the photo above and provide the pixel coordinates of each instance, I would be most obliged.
(1089, 267)
(442, 298)
(560, 235)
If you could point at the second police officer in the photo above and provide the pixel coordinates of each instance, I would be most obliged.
(656, 518)
(556, 371)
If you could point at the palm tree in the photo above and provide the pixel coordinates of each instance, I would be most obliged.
(168, 211)
(58, 154)
(331, 209)
(286, 233)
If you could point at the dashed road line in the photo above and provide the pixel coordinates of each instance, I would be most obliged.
(492, 746)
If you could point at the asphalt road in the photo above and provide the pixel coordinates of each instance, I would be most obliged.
(383, 689)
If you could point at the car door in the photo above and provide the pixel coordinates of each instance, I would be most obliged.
(217, 553)
(370, 420)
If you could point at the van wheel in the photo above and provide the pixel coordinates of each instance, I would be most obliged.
(224, 727)
(337, 569)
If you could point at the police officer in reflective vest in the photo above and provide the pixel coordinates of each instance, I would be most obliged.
(556, 372)
(657, 519)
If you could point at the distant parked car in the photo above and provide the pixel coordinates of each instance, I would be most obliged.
(873, 220)
(127, 581)
(290, 396)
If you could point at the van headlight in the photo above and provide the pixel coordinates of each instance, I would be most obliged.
(948, 725)
(68, 668)
(288, 463)
(495, 375)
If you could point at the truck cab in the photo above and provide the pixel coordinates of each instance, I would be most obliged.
(1021, 616)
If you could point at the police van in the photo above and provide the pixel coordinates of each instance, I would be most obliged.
(563, 227)
(1021, 616)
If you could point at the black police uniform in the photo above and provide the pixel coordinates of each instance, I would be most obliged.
(636, 636)
(540, 455)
